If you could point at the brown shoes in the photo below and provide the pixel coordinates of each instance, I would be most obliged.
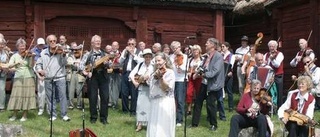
(139, 128)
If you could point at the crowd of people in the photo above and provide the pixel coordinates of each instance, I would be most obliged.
(161, 84)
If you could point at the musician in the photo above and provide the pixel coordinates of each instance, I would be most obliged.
(251, 112)
(22, 96)
(51, 67)
(212, 84)
(162, 111)
(108, 49)
(228, 58)
(274, 58)
(96, 80)
(266, 79)
(76, 79)
(193, 83)
(41, 98)
(4, 59)
(156, 48)
(303, 102)
(166, 49)
(115, 75)
(63, 42)
(313, 71)
(129, 59)
(179, 67)
(297, 61)
(248, 62)
(239, 54)
(139, 75)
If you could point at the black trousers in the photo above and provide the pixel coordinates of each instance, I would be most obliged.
(239, 122)
(98, 84)
(211, 98)
(127, 88)
(297, 131)
(279, 83)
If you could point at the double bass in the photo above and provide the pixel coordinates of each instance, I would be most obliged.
(249, 61)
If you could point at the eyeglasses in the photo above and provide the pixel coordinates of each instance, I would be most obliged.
(130, 43)
(52, 41)
(307, 62)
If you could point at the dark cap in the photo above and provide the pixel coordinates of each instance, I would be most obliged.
(244, 38)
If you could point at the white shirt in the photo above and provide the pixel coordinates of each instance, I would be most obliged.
(179, 77)
(294, 62)
(275, 62)
(131, 57)
(241, 51)
(287, 104)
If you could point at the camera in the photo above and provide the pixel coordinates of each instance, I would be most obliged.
(200, 70)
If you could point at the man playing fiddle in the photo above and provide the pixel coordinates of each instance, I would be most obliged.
(274, 59)
(252, 112)
(179, 62)
(97, 80)
(312, 71)
(302, 102)
(51, 66)
(76, 80)
(297, 61)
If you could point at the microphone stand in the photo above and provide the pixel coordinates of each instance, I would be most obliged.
(51, 107)
(83, 133)
(186, 90)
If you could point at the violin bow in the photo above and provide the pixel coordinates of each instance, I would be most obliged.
(309, 35)
(28, 49)
(81, 55)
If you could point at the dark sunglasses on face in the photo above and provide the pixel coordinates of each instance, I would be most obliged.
(130, 43)
(307, 62)
(52, 41)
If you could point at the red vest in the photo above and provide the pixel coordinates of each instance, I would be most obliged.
(294, 102)
(278, 70)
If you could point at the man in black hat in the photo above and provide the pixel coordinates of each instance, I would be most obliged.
(239, 55)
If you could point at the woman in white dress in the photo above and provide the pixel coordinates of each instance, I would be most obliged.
(139, 75)
(163, 111)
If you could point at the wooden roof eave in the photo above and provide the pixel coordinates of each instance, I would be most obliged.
(252, 6)
(180, 4)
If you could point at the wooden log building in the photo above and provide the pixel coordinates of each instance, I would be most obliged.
(288, 20)
(115, 20)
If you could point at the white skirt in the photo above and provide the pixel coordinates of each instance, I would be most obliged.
(162, 119)
(143, 107)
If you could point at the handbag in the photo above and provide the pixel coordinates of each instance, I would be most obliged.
(79, 133)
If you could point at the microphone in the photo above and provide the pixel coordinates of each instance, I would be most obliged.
(191, 37)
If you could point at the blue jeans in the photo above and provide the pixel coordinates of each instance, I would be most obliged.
(56, 88)
(180, 97)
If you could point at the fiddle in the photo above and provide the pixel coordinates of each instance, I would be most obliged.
(27, 53)
(58, 50)
(263, 97)
(160, 72)
(178, 60)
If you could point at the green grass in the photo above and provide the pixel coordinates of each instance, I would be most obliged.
(121, 125)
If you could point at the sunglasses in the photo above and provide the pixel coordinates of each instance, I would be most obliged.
(130, 43)
(52, 41)
(306, 62)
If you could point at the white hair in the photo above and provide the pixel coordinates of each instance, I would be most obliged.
(273, 42)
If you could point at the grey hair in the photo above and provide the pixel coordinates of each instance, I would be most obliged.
(273, 42)
(20, 41)
(3, 41)
(175, 44)
(95, 37)
(255, 82)
(51, 35)
(166, 58)
(213, 41)
(158, 45)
